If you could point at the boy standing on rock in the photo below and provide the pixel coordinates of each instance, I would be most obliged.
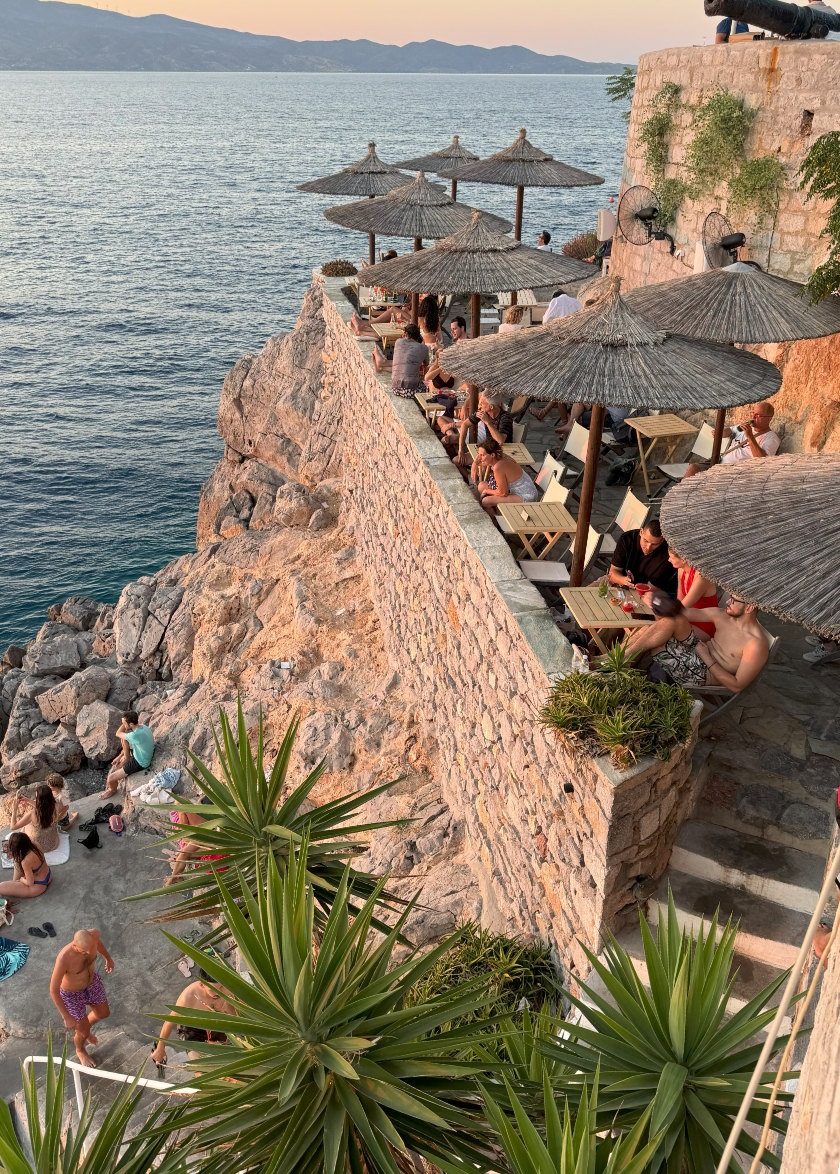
(75, 986)
(138, 746)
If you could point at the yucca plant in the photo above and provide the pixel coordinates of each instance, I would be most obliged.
(245, 825)
(671, 1047)
(60, 1148)
(568, 1143)
(328, 1068)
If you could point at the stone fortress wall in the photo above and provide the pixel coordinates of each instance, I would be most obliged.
(795, 87)
(475, 641)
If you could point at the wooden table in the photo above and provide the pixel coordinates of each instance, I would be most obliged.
(431, 410)
(594, 612)
(389, 332)
(666, 429)
(369, 302)
(513, 449)
(530, 519)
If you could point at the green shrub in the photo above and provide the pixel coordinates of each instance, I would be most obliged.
(615, 710)
(339, 269)
(621, 86)
(722, 122)
(820, 179)
(755, 187)
(581, 247)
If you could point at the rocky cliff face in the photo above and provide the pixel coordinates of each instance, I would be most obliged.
(273, 607)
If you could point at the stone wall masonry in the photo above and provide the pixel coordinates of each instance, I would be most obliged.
(781, 80)
(476, 643)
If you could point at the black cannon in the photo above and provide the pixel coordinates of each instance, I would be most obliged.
(801, 22)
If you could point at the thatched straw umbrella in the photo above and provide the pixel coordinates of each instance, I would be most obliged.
(419, 210)
(736, 304)
(524, 166)
(453, 158)
(476, 260)
(609, 357)
(369, 177)
(768, 532)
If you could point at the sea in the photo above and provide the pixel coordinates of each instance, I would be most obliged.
(151, 234)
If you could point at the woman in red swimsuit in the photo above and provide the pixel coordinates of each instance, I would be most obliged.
(694, 590)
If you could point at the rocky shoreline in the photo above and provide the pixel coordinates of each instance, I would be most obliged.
(274, 608)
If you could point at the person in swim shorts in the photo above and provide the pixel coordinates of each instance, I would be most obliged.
(138, 747)
(75, 986)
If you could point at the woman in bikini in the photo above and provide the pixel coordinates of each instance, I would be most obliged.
(39, 819)
(32, 876)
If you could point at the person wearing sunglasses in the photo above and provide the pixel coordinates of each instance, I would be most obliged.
(752, 439)
(738, 651)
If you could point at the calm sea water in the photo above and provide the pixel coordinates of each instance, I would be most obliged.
(150, 234)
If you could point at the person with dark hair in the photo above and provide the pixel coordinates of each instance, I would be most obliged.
(40, 818)
(544, 241)
(138, 747)
(499, 479)
(694, 590)
(32, 875)
(738, 651)
(560, 306)
(389, 256)
(75, 986)
(672, 640)
(428, 319)
(641, 556)
(723, 30)
(491, 419)
(408, 366)
(202, 995)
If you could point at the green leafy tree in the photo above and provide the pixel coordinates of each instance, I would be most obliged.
(621, 87)
(329, 1068)
(722, 122)
(820, 180)
(58, 1148)
(246, 824)
(671, 1048)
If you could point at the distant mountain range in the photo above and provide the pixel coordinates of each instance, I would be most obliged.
(43, 34)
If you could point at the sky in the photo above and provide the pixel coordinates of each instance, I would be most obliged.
(611, 30)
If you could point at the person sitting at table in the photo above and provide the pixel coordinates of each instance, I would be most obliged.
(428, 319)
(499, 478)
(364, 329)
(409, 363)
(389, 256)
(641, 556)
(694, 590)
(491, 421)
(436, 377)
(752, 439)
(737, 652)
(513, 319)
(672, 640)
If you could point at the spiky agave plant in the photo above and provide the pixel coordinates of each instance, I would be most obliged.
(60, 1148)
(245, 825)
(328, 1068)
(671, 1047)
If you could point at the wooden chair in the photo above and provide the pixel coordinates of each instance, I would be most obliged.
(550, 467)
(574, 450)
(554, 573)
(717, 698)
(632, 515)
(703, 442)
(518, 434)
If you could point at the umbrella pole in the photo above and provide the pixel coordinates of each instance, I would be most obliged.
(454, 189)
(587, 492)
(720, 420)
(371, 248)
(415, 297)
(475, 315)
(517, 222)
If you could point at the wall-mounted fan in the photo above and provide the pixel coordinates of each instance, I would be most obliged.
(720, 243)
(638, 217)
(637, 213)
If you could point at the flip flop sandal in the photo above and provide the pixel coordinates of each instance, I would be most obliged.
(50, 928)
(36, 932)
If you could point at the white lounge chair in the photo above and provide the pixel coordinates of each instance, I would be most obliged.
(632, 515)
(703, 443)
(553, 573)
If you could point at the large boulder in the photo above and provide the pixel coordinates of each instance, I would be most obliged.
(96, 730)
(130, 616)
(52, 655)
(58, 752)
(295, 505)
(25, 718)
(79, 612)
(124, 686)
(63, 702)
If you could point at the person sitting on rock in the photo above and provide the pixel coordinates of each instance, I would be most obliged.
(39, 818)
(138, 746)
(66, 817)
(202, 996)
(32, 876)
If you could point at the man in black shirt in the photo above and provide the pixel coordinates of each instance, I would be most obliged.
(641, 556)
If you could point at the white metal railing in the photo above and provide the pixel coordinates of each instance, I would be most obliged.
(80, 1070)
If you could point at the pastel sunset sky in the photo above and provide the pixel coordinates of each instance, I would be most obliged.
(607, 30)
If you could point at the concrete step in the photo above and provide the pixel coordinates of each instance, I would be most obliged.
(766, 869)
(767, 932)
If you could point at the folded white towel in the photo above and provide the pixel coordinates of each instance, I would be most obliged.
(59, 855)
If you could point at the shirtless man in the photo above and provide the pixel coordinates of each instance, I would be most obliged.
(738, 651)
(203, 995)
(75, 986)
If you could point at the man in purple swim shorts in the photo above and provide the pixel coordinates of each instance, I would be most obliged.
(75, 986)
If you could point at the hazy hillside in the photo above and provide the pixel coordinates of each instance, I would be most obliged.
(43, 34)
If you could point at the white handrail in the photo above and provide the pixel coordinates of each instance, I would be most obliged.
(79, 1070)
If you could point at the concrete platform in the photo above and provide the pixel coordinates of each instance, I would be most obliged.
(88, 892)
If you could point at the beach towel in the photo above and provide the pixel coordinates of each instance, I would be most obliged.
(59, 855)
(12, 957)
